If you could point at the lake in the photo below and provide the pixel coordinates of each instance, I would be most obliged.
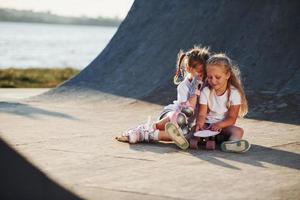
(24, 45)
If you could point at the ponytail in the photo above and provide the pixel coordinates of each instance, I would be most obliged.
(179, 76)
(197, 54)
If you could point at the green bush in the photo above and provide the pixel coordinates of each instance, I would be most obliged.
(35, 77)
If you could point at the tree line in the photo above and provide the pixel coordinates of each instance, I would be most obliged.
(12, 15)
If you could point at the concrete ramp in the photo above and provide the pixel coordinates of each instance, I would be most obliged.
(262, 37)
(139, 62)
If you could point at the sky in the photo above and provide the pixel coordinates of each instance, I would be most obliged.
(89, 8)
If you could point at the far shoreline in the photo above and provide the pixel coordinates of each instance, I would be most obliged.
(29, 16)
(44, 23)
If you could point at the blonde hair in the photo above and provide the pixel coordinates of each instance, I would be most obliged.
(197, 54)
(234, 79)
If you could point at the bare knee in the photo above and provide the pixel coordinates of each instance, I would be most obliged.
(237, 132)
(234, 132)
(160, 125)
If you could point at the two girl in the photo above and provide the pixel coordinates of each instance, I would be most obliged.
(176, 120)
(221, 102)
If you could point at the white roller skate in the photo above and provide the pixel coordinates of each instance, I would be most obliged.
(141, 133)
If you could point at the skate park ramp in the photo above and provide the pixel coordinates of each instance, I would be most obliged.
(262, 37)
(66, 150)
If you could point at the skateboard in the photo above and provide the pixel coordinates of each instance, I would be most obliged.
(205, 136)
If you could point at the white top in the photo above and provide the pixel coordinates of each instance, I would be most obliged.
(217, 104)
(183, 94)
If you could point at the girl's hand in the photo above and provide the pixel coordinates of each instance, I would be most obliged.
(215, 127)
(199, 127)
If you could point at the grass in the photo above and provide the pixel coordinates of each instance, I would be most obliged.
(35, 77)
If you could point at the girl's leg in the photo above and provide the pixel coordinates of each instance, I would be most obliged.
(233, 132)
(143, 133)
(155, 132)
(163, 136)
(160, 125)
(170, 116)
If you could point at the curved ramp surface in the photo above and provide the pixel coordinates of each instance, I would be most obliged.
(139, 62)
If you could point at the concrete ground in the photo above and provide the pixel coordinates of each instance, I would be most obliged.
(73, 144)
(12, 94)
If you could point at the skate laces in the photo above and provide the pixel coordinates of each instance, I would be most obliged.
(148, 124)
(147, 128)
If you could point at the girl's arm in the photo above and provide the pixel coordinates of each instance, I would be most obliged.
(194, 92)
(229, 120)
(201, 117)
(184, 95)
(193, 100)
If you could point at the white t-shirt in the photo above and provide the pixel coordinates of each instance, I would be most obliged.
(183, 94)
(217, 104)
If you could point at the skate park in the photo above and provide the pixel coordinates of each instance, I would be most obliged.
(60, 144)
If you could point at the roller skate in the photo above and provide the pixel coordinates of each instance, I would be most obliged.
(141, 133)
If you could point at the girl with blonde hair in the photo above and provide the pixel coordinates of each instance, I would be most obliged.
(222, 101)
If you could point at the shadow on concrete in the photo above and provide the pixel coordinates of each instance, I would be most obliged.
(256, 156)
(29, 111)
(21, 180)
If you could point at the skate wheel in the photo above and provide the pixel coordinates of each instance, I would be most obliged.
(194, 143)
(210, 145)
